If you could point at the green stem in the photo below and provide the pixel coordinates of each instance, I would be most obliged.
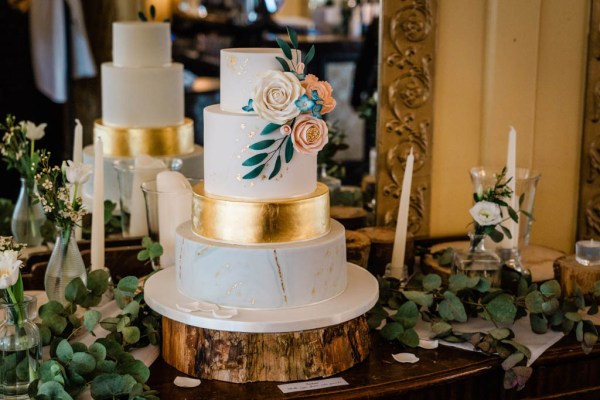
(17, 306)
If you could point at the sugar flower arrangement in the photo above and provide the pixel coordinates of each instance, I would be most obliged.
(293, 103)
(18, 148)
(59, 192)
(488, 214)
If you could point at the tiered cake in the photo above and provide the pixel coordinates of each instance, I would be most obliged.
(143, 103)
(261, 242)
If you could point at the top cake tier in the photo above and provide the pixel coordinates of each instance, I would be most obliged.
(240, 69)
(141, 44)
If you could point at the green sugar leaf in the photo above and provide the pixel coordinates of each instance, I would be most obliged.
(142, 16)
(255, 172)
(276, 168)
(152, 12)
(293, 37)
(263, 144)
(289, 150)
(270, 128)
(254, 160)
(310, 55)
(284, 64)
(285, 47)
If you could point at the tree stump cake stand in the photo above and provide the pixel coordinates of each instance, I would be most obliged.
(266, 345)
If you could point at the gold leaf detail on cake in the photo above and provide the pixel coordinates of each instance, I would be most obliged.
(251, 134)
(238, 177)
(242, 126)
(285, 300)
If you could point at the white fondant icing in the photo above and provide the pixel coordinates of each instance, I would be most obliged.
(359, 297)
(262, 276)
(228, 136)
(240, 69)
(142, 97)
(141, 44)
(193, 167)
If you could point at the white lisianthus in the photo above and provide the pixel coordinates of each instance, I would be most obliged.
(76, 172)
(9, 268)
(275, 95)
(33, 131)
(486, 213)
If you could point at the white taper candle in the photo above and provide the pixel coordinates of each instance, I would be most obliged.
(97, 256)
(397, 266)
(511, 173)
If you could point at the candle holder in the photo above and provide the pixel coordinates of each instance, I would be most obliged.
(587, 252)
(511, 257)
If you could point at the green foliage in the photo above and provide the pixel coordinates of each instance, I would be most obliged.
(336, 142)
(425, 297)
(6, 210)
(151, 251)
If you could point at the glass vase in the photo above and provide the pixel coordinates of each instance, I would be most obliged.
(20, 348)
(478, 261)
(28, 216)
(65, 264)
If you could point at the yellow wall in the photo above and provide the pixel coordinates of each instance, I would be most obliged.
(501, 63)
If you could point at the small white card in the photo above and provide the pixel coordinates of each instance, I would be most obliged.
(311, 385)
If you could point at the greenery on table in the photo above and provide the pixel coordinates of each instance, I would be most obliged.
(337, 142)
(464, 297)
(106, 365)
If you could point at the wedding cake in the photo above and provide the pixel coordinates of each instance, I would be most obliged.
(261, 266)
(143, 103)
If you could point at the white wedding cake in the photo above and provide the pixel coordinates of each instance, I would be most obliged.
(143, 104)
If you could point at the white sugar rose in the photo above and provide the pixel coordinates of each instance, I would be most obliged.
(274, 96)
(486, 213)
(309, 134)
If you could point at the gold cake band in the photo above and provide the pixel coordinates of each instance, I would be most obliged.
(159, 142)
(256, 222)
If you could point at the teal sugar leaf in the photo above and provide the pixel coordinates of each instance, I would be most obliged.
(152, 12)
(263, 144)
(289, 150)
(310, 55)
(270, 128)
(255, 172)
(142, 16)
(276, 168)
(284, 64)
(249, 107)
(293, 37)
(285, 47)
(254, 160)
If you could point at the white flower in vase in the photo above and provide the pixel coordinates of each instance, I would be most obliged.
(33, 131)
(9, 268)
(486, 213)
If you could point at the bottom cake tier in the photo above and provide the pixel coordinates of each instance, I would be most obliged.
(266, 276)
(265, 345)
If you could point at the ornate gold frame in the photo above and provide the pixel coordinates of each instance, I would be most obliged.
(588, 220)
(407, 47)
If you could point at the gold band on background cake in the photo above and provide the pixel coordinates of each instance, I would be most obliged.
(158, 142)
(256, 222)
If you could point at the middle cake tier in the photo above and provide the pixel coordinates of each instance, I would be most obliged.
(268, 276)
(257, 222)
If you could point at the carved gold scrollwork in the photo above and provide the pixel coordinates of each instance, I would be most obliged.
(413, 21)
(416, 212)
(592, 216)
(594, 159)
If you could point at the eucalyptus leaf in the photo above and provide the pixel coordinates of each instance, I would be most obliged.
(106, 366)
(51, 370)
(91, 300)
(502, 308)
(501, 333)
(53, 390)
(64, 351)
(459, 282)
(579, 331)
(550, 288)
(97, 281)
(137, 369)
(143, 255)
(451, 308)
(124, 321)
(75, 291)
(431, 282)
(109, 386)
(374, 321)
(483, 286)
(78, 346)
(407, 315)
(110, 324)
(131, 334)
(519, 347)
(441, 328)
(128, 284)
(91, 319)
(83, 363)
(409, 338)
(573, 316)
(534, 301)
(132, 309)
(45, 334)
(52, 307)
(517, 377)
(98, 351)
(422, 299)
(392, 330)
(539, 323)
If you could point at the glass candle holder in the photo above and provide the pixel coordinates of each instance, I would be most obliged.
(587, 252)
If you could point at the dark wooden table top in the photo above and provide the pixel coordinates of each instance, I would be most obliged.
(444, 373)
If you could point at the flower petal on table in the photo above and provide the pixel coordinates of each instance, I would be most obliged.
(405, 358)
(184, 381)
(428, 344)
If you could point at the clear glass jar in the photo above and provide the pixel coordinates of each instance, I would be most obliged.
(20, 348)
(28, 216)
(478, 261)
(65, 264)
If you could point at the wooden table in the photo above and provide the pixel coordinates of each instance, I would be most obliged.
(445, 373)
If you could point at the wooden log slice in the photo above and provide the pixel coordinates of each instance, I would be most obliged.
(358, 246)
(382, 246)
(240, 357)
(352, 218)
(571, 274)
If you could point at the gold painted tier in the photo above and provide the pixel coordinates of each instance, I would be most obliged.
(158, 142)
(256, 222)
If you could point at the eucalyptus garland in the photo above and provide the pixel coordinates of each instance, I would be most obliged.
(464, 297)
(106, 366)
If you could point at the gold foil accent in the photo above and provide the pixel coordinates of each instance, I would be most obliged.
(256, 222)
(312, 135)
(158, 142)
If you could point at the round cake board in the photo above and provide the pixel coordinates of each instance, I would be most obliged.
(266, 345)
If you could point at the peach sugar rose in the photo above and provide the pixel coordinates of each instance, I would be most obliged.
(323, 89)
(309, 134)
